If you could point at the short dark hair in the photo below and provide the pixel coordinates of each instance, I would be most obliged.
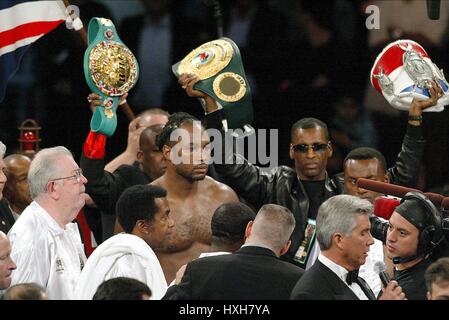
(25, 291)
(437, 272)
(121, 288)
(137, 203)
(229, 222)
(365, 153)
(309, 123)
(175, 121)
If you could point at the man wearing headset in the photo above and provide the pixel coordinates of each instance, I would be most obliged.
(414, 231)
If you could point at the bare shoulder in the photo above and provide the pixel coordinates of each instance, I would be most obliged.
(158, 182)
(220, 190)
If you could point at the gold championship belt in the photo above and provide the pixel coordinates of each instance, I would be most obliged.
(219, 67)
(110, 70)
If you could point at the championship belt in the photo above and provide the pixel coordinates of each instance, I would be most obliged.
(403, 71)
(219, 67)
(110, 69)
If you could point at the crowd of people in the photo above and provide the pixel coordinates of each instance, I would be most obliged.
(146, 225)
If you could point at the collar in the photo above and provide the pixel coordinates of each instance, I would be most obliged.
(337, 269)
(43, 215)
(14, 214)
(255, 244)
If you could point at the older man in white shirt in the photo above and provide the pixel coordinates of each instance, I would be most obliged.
(46, 245)
(143, 212)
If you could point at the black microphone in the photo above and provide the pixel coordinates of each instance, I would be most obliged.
(381, 269)
(433, 9)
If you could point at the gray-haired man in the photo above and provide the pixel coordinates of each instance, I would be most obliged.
(343, 233)
(45, 243)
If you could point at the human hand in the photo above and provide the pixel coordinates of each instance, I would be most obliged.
(187, 81)
(134, 131)
(393, 292)
(418, 106)
(95, 100)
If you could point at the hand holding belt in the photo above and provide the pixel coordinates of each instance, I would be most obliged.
(219, 67)
(110, 70)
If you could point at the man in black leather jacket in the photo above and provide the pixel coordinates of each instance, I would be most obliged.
(305, 187)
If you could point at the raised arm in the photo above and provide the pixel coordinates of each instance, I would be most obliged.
(406, 169)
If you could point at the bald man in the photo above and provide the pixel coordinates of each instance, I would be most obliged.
(7, 265)
(17, 190)
(144, 120)
(105, 188)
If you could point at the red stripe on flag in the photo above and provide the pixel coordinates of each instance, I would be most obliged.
(27, 30)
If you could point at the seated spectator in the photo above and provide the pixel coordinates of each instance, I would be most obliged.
(122, 288)
(143, 212)
(25, 291)
(437, 280)
(351, 127)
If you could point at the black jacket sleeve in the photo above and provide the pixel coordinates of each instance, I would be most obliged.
(405, 172)
(183, 290)
(248, 180)
(102, 186)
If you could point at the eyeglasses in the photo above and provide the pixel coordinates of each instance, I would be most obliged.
(77, 174)
(304, 148)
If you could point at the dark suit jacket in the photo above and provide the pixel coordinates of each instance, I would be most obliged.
(6, 217)
(250, 273)
(320, 283)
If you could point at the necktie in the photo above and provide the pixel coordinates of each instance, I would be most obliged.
(353, 276)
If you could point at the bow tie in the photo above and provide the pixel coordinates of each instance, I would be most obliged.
(352, 276)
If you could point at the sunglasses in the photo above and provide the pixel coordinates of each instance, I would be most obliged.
(304, 148)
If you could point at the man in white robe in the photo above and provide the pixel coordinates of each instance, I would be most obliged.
(46, 245)
(143, 212)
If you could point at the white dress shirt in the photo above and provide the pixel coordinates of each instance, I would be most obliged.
(45, 253)
(342, 273)
(123, 255)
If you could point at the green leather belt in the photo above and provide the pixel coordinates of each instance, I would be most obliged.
(219, 66)
(110, 70)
